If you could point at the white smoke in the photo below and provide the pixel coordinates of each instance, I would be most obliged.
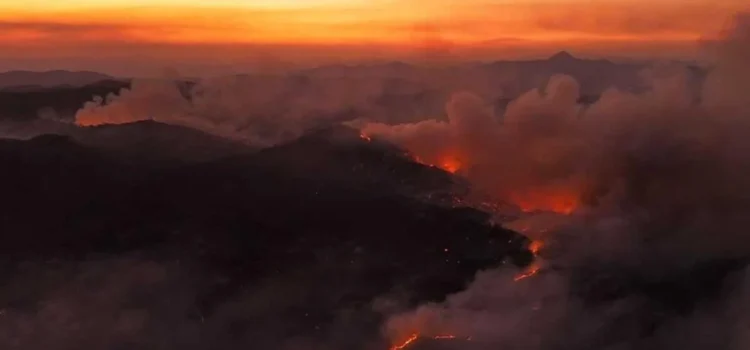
(662, 178)
(267, 109)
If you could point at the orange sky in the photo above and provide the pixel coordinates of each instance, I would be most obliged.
(125, 36)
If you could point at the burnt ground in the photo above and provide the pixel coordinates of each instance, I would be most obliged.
(306, 243)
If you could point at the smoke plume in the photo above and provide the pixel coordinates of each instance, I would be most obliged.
(652, 189)
(268, 109)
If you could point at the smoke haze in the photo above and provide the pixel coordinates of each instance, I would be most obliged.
(646, 183)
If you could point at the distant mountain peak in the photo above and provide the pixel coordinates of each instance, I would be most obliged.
(563, 56)
(398, 64)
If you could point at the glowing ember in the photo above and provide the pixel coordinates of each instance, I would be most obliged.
(535, 247)
(444, 337)
(450, 164)
(531, 271)
(406, 343)
(557, 201)
(96, 120)
(416, 336)
(365, 137)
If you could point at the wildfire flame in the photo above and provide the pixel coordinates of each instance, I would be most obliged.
(365, 137)
(406, 343)
(531, 271)
(535, 247)
(557, 199)
(415, 336)
(561, 201)
(450, 164)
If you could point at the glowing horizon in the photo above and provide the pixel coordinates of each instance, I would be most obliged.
(504, 27)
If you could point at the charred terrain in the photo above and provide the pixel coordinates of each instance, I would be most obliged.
(326, 224)
(578, 204)
(312, 243)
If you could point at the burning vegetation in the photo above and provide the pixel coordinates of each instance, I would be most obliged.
(559, 199)
(450, 163)
(532, 270)
(534, 247)
(556, 201)
(412, 338)
(415, 338)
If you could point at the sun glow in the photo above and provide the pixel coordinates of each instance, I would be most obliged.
(335, 21)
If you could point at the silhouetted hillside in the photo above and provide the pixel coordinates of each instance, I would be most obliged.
(341, 154)
(150, 140)
(143, 141)
(57, 102)
(24, 79)
(344, 237)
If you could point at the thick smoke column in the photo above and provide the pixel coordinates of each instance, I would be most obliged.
(259, 109)
(268, 109)
(534, 147)
(657, 184)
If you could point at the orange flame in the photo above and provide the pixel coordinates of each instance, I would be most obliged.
(534, 247)
(412, 338)
(406, 343)
(95, 120)
(531, 271)
(559, 201)
(450, 164)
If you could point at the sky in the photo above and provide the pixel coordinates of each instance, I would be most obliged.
(132, 37)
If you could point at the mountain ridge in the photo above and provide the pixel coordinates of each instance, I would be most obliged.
(50, 78)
